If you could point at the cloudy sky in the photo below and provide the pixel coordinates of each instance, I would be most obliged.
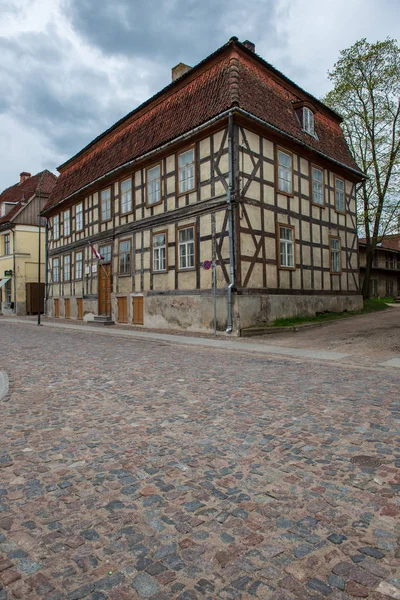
(71, 68)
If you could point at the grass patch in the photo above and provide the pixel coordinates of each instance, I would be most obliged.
(370, 306)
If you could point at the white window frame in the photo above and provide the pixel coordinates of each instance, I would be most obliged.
(285, 173)
(56, 227)
(335, 251)
(186, 249)
(126, 254)
(160, 252)
(67, 267)
(7, 244)
(105, 199)
(153, 189)
(317, 186)
(67, 221)
(186, 171)
(340, 194)
(101, 251)
(308, 121)
(126, 196)
(56, 270)
(79, 217)
(286, 247)
(78, 265)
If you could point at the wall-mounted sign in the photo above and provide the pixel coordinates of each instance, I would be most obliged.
(8, 273)
(207, 265)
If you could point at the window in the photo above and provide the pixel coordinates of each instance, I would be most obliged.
(79, 217)
(56, 270)
(390, 261)
(186, 171)
(374, 288)
(389, 287)
(67, 267)
(339, 195)
(285, 175)
(125, 257)
(334, 247)
(7, 244)
(56, 227)
(308, 120)
(126, 196)
(286, 247)
(78, 265)
(160, 245)
(186, 247)
(317, 177)
(154, 185)
(105, 202)
(67, 223)
(105, 252)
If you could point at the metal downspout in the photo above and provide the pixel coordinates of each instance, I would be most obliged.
(15, 274)
(46, 271)
(229, 327)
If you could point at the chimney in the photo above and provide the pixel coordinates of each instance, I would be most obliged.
(179, 70)
(24, 176)
(249, 45)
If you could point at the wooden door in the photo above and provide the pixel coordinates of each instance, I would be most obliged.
(104, 283)
(138, 310)
(79, 306)
(122, 310)
(57, 308)
(67, 308)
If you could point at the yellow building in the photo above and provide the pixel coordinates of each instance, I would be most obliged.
(20, 206)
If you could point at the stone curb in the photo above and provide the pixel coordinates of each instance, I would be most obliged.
(3, 384)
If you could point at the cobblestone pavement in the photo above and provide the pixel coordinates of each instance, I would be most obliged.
(132, 469)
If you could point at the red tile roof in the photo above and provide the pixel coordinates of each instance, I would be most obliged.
(22, 192)
(231, 76)
(389, 242)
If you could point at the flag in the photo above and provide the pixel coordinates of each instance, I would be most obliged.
(97, 254)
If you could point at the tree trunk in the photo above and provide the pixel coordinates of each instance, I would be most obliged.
(367, 276)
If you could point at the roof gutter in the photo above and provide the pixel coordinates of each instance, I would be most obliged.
(141, 157)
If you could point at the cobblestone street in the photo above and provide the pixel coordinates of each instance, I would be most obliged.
(133, 469)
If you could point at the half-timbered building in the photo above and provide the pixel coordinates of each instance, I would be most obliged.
(231, 163)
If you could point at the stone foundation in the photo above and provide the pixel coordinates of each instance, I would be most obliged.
(194, 312)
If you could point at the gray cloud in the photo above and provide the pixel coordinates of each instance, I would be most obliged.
(70, 68)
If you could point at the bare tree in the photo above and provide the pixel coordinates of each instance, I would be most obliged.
(366, 93)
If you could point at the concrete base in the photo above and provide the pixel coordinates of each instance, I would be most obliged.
(256, 310)
(194, 312)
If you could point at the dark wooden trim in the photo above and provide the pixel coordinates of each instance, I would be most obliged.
(120, 181)
(120, 241)
(335, 237)
(157, 164)
(278, 247)
(177, 155)
(319, 168)
(178, 228)
(153, 233)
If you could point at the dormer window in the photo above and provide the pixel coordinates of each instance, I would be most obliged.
(308, 120)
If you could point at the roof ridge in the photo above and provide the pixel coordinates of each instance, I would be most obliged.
(234, 81)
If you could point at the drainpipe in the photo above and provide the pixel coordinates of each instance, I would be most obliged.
(14, 274)
(46, 258)
(230, 225)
